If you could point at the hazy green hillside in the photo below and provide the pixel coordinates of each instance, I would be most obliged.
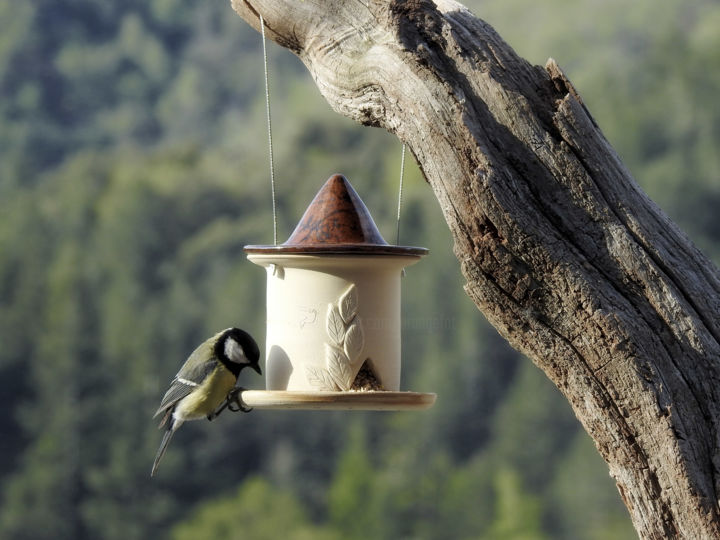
(133, 169)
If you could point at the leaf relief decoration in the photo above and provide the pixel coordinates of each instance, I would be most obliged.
(342, 351)
(339, 367)
(335, 325)
(320, 379)
(354, 341)
(348, 304)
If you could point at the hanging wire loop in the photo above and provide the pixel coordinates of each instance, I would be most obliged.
(400, 194)
(269, 128)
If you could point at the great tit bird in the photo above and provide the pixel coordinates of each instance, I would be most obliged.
(206, 379)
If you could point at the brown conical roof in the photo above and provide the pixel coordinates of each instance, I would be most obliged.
(336, 215)
(337, 221)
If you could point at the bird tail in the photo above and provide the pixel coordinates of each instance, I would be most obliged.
(163, 446)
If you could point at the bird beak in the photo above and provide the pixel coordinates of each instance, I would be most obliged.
(256, 367)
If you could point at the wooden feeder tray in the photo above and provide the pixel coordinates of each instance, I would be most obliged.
(373, 400)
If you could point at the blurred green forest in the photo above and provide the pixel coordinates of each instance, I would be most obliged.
(133, 169)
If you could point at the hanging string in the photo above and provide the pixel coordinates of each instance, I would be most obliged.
(400, 192)
(269, 127)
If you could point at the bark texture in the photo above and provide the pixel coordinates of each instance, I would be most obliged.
(562, 251)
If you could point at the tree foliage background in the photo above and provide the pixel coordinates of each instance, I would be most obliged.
(132, 172)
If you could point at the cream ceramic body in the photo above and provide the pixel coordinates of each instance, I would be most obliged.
(304, 293)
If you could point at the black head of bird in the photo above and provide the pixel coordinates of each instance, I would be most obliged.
(236, 349)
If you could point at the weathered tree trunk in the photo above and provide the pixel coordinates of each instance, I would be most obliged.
(561, 250)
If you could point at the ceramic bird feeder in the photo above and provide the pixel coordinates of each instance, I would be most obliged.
(333, 310)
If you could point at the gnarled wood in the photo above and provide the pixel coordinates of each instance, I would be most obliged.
(562, 251)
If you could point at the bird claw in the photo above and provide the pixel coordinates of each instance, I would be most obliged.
(235, 397)
(233, 401)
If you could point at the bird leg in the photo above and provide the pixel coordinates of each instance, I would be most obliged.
(213, 415)
(234, 397)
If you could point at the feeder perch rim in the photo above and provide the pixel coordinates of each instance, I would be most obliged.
(374, 400)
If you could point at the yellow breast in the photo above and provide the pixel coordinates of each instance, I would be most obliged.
(208, 396)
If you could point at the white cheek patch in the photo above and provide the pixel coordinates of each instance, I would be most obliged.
(234, 352)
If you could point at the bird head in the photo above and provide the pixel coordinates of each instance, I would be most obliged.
(238, 350)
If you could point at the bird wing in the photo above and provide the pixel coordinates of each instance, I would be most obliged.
(191, 375)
